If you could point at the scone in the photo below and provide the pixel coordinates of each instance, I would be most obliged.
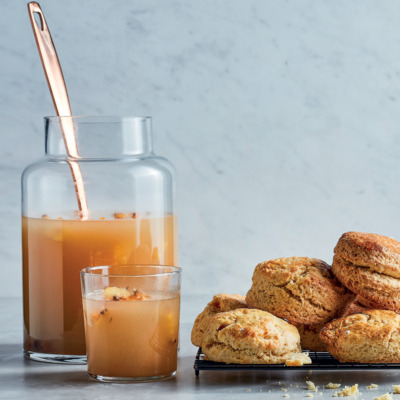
(354, 307)
(369, 265)
(370, 337)
(220, 303)
(309, 337)
(299, 289)
(367, 303)
(309, 334)
(249, 336)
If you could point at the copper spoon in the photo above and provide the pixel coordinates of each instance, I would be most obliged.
(58, 90)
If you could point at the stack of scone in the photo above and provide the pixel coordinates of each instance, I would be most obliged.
(369, 265)
(301, 302)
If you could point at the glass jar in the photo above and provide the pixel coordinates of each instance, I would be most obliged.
(130, 220)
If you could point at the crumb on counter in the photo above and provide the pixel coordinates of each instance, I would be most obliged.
(386, 396)
(310, 395)
(349, 391)
(331, 385)
(286, 395)
(396, 389)
(311, 386)
(372, 386)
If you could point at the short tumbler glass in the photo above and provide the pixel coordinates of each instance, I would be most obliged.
(131, 315)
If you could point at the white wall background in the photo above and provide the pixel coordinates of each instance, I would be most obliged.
(281, 117)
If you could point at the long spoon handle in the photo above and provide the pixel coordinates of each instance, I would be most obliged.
(59, 94)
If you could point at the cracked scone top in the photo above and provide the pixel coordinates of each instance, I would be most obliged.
(220, 302)
(299, 289)
(369, 265)
(249, 336)
(370, 337)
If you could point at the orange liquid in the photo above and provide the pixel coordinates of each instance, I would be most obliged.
(54, 251)
(132, 338)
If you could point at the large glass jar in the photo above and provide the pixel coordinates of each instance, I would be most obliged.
(131, 220)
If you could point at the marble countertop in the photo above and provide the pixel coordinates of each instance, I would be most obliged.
(23, 379)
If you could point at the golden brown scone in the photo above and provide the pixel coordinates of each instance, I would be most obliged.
(249, 336)
(220, 303)
(299, 289)
(368, 304)
(309, 337)
(370, 337)
(309, 334)
(354, 307)
(369, 265)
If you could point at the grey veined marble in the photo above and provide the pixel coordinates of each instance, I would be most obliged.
(281, 117)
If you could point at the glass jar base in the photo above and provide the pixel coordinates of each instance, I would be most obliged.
(55, 358)
(118, 379)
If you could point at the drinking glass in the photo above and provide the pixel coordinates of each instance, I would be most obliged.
(131, 315)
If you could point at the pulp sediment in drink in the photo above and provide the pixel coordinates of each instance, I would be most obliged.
(55, 250)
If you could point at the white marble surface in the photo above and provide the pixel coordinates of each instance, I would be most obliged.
(282, 118)
(23, 379)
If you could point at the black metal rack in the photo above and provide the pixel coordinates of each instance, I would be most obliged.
(320, 360)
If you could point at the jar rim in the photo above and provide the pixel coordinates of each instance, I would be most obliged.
(98, 118)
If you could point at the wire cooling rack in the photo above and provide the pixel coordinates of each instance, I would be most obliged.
(320, 360)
